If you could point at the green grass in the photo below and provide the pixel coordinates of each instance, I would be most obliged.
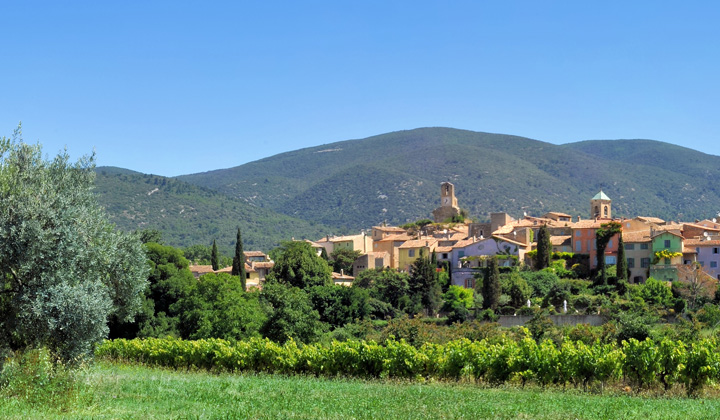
(120, 391)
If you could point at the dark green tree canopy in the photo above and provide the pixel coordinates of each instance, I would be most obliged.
(64, 269)
(342, 260)
(298, 265)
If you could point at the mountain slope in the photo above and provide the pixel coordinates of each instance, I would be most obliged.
(396, 177)
(188, 214)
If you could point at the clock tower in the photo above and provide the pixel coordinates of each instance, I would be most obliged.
(448, 203)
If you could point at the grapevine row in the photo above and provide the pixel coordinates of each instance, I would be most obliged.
(644, 364)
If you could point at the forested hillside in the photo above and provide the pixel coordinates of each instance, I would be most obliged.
(187, 214)
(396, 177)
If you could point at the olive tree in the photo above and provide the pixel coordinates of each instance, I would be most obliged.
(64, 269)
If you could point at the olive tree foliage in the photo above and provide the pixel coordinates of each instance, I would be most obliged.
(64, 269)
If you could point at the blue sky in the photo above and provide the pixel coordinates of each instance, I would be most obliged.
(181, 87)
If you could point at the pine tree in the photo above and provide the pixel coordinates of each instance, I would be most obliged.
(214, 259)
(238, 268)
(622, 266)
(544, 248)
(491, 285)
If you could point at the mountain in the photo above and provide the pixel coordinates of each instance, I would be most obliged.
(188, 215)
(395, 177)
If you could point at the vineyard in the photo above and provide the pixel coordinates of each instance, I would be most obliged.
(642, 365)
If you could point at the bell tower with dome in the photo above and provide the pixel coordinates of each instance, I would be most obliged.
(601, 206)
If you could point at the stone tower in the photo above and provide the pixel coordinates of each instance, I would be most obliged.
(601, 206)
(448, 203)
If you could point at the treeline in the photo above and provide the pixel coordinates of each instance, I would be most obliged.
(299, 300)
(642, 364)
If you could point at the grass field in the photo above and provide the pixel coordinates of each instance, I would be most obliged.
(115, 391)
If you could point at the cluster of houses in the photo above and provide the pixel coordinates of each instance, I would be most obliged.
(653, 247)
(257, 267)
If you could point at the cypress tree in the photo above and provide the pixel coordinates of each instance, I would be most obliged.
(238, 267)
(622, 266)
(424, 284)
(491, 285)
(544, 248)
(214, 260)
(324, 254)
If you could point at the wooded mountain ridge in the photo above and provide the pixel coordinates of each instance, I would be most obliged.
(395, 178)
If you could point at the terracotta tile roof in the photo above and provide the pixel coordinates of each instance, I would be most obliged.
(264, 264)
(636, 237)
(688, 249)
(419, 243)
(465, 242)
(396, 238)
(701, 242)
(313, 244)
(503, 239)
(696, 225)
(559, 240)
(389, 229)
(204, 269)
(709, 223)
(344, 238)
(444, 249)
(655, 220)
(342, 279)
(662, 231)
(254, 254)
(588, 224)
(558, 214)
(503, 230)
(670, 226)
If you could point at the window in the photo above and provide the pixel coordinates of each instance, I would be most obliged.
(444, 256)
(578, 246)
(470, 283)
(631, 262)
(645, 262)
(715, 250)
(610, 259)
(589, 243)
(643, 246)
(713, 264)
(461, 254)
(411, 252)
(630, 247)
(667, 243)
(578, 233)
(702, 263)
(609, 245)
(667, 261)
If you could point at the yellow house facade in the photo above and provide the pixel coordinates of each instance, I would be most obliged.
(411, 251)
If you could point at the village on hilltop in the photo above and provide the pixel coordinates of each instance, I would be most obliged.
(653, 247)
